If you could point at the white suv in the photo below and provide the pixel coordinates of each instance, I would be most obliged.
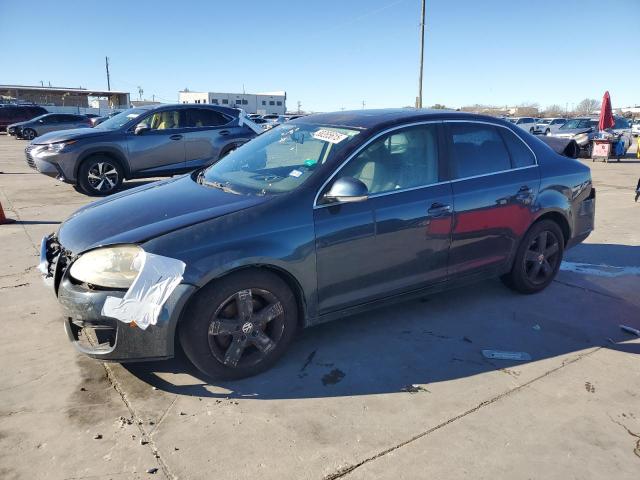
(525, 123)
(549, 125)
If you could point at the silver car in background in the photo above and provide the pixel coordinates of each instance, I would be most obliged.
(142, 142)
(50, 122)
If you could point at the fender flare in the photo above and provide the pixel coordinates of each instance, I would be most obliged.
(104, 150)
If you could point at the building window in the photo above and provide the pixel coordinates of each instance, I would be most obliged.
(214, 101)
(244, 102)
(264, 102)
(271, 102)
(238, 102)
(204, 101)
(225, 101)
(279, 103)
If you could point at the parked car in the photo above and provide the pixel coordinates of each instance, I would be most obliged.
(525, 123)
(253, 116)
(546, 126)
(51, 122)
(98, 120)
(141, 142)
(316, 219)
(635, 128)
(10, 115)
(584, 129)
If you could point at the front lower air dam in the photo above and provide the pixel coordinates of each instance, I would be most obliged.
(142, 304)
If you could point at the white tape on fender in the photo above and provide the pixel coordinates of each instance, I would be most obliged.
(157, 279)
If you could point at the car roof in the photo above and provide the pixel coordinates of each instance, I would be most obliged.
(375, 118)
(168, 106)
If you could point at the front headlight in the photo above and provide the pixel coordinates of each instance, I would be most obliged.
(112, 267)
(581, 138)
(53, 148)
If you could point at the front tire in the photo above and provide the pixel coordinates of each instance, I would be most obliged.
(99, 175)
(240, 325)
(538, 258)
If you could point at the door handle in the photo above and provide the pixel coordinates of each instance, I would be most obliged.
(438, 209)
(176, 137)
(224, 132)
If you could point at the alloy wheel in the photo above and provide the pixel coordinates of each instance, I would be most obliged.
(246, 327)
(29, 134)
(102, 176)
(541, 257)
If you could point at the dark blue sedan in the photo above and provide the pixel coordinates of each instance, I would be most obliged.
(316, 219)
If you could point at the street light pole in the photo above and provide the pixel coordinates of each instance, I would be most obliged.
(419, 100)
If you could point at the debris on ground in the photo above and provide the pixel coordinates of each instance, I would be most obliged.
(125, 421)
(82, 389)
(631, 330)
(97, 436)
(154, 388)
(152, 470)
(143, 442)
(412, 388)
(537, 327)
(182, 413)
(501, 355)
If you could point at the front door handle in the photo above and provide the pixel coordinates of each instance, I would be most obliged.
(176, 137)
(438, 209)
(224, 132)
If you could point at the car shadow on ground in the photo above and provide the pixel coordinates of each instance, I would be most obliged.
(421, 342)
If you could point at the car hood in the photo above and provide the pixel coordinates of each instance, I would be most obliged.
(72, 134)
(148, 211)
(18, 124)
(570, 132)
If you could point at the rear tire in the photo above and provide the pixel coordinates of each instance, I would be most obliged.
(538, 258)
(29, 134)
(100, 175)
(240, 325)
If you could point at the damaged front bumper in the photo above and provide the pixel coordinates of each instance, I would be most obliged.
(102, 337)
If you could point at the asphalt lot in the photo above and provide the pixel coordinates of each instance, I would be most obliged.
(336, 406)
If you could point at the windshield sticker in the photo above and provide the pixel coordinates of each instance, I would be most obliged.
(310, 162)
(330, 136)
(295, 173)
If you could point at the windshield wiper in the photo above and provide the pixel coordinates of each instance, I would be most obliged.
(212, 183)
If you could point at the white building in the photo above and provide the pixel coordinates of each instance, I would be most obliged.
(261, 103)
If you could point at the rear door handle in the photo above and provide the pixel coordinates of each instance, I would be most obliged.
(176, 137)
(438, 209)
(224, 132)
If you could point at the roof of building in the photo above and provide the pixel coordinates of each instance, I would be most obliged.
(81, 91)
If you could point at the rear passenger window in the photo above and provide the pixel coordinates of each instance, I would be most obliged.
(521, 156)
(477, 149)
(200, 117)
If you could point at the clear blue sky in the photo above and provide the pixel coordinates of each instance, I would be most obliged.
(331, 54)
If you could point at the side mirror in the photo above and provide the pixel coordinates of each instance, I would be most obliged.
(40, 121)
(141, 128)
(347, 190)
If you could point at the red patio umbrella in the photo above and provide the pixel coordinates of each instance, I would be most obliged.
(606, 115)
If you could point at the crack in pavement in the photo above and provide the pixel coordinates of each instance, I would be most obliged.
(567, 284)
(341, 472)
(636, 450)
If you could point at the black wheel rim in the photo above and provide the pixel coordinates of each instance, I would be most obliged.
(30, 135)
(541, 257)
(246, 328)
(102, 176)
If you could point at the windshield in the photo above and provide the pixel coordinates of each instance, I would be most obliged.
(117, 121)
(577, 123)
(277, 161)
(545, 121)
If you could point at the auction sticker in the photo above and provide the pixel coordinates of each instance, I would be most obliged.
(330, 136)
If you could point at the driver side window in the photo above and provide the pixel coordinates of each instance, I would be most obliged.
(166, 120)
(400, 160)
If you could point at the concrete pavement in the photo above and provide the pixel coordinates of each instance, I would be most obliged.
(401, 392)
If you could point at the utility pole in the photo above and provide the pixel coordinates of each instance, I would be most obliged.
(363, 104)
(299, 105)
(419, 99)
(106, 63)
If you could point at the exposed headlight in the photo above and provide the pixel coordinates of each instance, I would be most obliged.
(53, 148)
(112, 267)
(582, 138)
